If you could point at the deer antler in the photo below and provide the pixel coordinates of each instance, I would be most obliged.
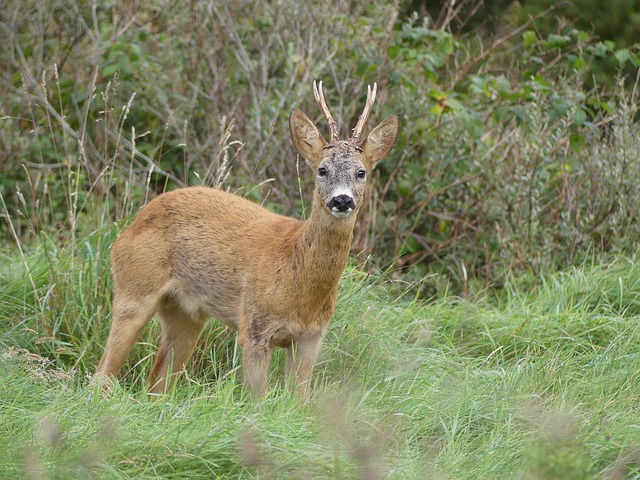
(357, 131)
(333, 126)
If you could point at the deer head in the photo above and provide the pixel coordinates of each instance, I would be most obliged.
(342, 166)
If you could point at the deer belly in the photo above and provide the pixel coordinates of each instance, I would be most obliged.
(220, 302)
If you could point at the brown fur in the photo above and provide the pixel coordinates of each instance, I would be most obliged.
(200, 252)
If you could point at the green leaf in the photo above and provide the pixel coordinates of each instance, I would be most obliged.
(576, 141)
(599, 49)
(579, 117)
(578, 63)
(557, 41)
(581, 36)
(528, 38)
(437, 94)
(623, 56)
(109, 70)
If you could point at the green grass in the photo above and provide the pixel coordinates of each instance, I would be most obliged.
(540, 383)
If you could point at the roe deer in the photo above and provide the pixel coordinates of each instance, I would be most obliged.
(199, 252)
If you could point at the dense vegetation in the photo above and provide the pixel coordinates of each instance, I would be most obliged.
(510, 202)
(506, 164)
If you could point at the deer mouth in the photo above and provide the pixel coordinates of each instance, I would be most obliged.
(339, 214)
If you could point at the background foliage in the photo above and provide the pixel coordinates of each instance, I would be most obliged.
(513, 155)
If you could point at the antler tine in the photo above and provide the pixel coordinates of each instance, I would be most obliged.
(319, 96)
(371, 97)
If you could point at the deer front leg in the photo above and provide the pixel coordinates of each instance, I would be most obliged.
(255, 362)
(301, 358)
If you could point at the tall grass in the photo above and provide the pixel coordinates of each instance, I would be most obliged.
(541, 384)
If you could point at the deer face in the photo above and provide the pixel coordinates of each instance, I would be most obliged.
(342, 167)
(341, 178)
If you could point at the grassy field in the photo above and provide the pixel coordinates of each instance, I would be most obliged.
(538, 382)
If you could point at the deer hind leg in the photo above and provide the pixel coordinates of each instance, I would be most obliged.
(180, 332)
(301, 359)
(129, 317)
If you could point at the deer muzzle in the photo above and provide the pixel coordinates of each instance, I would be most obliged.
(341, 205)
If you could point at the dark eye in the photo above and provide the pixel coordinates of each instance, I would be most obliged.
(361, 174)
(322, 171)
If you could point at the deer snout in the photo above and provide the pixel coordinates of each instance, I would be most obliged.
(341, 205)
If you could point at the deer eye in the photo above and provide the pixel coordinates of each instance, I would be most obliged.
(361, 174)
(322, 172)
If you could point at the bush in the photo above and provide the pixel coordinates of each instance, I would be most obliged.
(506, 163)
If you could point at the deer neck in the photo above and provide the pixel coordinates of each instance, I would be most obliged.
(324, 245)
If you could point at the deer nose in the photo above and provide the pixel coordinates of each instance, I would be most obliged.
(342, 203)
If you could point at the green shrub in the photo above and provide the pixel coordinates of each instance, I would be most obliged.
(506, 163)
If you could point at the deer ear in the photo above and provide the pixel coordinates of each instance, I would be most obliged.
(380, 141)
(306, 137)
